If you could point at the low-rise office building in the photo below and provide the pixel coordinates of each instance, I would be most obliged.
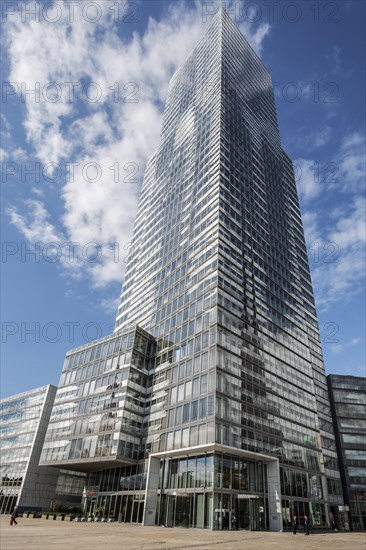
(348, 399)
(23, 423)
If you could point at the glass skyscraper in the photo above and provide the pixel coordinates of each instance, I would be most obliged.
(214, 373)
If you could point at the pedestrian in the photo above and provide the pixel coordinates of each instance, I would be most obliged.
(332, 521)
(233, 522)
(306, 525)
(14, 515)
(294, 525)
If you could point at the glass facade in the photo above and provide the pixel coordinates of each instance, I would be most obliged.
(200, 490)
(99, 408)
(348, 400)
(23, 423)
(208, 491)
(218, 283)
(20, 416)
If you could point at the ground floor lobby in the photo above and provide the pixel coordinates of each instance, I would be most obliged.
(211, 487)
(205, 510)
(207, 488)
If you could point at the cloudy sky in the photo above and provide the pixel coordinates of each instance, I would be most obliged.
(84, 85)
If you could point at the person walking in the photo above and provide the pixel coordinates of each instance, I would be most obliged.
(294, 525)
(14, 515)
(332, 521)
(306, 525)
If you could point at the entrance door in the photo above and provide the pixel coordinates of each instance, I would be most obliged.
(129, 506)
(179, 511)
(248, 515)
(170, 511)
(141, 511)
(254, 514)
(183, 511)
(137, 511)
(243, 514)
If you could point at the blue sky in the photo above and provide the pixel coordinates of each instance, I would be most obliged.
(74, 153)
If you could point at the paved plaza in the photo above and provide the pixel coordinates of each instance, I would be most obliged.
(40, 534)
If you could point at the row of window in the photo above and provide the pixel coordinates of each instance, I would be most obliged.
(190, 412)
(189, 437)
(192, 388)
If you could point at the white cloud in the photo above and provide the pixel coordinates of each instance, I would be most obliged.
(311, 229)
(351, 163)
(338, 272)
(105, 132)
(9, 152)
(35, 225)
(346, 171)
(337, 348)
(352, 140)
(110, 305)
(350, 229)
(321, 137)
(314, 140)
(38, 192)
(354, 341)
(255, 39)
(335, 236)
(308, 184)
(334, 60)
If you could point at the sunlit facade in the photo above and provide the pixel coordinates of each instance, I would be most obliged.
(23, 423)
(99, 409)
(348, 400)
(230, 409)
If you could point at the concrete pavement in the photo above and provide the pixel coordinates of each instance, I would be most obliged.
(41, 534)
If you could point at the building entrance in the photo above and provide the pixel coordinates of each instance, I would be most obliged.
(236, 511)
(183, 509)
(180, 510)
(249, 513)
(137, 511)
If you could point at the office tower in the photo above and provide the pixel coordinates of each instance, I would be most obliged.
(24, 419)
(348, 399)
(229, 398)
